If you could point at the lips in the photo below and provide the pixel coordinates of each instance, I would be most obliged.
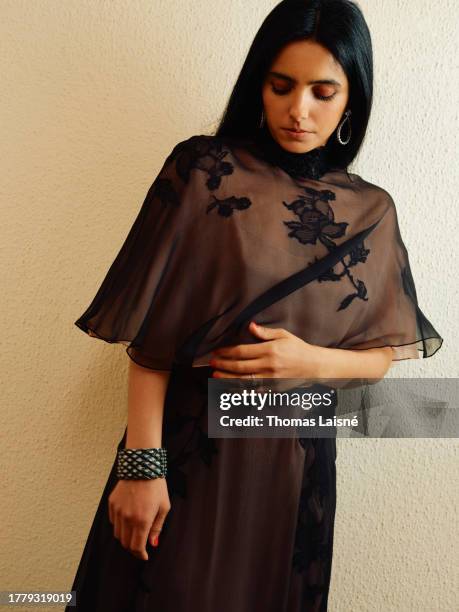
(295, 131)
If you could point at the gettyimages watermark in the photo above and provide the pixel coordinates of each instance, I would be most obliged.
(333, 408)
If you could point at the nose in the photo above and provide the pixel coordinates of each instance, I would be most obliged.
(299, 109)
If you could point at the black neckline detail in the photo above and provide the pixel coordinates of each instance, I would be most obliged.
(312, 164)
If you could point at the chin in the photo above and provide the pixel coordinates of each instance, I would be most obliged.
(297, 147)
(300, 146)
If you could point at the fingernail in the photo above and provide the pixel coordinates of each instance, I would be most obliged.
(156, 541)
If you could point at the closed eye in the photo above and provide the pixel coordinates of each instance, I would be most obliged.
(280, 92)
(326, 98)
(283, 92)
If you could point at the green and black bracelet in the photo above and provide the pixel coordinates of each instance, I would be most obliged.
(141, 463)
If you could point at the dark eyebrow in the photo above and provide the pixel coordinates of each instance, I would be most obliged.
(285, 77)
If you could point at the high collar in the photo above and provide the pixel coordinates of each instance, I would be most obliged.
(312, 164)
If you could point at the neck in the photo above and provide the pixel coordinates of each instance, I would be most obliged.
(312, 164)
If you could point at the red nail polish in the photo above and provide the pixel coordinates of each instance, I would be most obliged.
(156, 541)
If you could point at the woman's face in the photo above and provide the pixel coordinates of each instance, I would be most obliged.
(305, 89)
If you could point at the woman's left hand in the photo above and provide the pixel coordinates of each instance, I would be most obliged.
(281, 355)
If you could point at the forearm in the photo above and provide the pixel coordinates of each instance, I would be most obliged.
(146, 394)
(347, 363)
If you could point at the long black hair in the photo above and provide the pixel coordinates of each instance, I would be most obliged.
(340, 27)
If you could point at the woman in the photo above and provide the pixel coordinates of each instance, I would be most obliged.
(259, 223)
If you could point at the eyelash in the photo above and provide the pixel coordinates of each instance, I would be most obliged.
(281, 92)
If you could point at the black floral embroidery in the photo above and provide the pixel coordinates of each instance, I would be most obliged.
(198, 443)
(311, 555)
(317, 223)
(207, 446)
(356, 255)
(228, 205)
(163, 189)
(204, 446)
(206, 154)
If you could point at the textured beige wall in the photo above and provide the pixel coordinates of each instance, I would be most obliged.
(94, 95)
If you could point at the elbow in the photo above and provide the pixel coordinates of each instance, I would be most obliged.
(383, 364)
(388, 359)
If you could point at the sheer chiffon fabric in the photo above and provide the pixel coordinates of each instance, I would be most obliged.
(250, 527)
(224, 236)
(228, 233)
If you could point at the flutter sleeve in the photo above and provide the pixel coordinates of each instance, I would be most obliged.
(142, 301)
(393, 316)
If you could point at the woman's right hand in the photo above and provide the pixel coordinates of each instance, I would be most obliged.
(137, 510)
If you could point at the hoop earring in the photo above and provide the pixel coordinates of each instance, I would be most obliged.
(347, 115)
(262, 120)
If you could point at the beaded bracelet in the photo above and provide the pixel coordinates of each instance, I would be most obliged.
(141, 463)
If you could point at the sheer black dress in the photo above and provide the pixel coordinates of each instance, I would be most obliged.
(233, 231)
